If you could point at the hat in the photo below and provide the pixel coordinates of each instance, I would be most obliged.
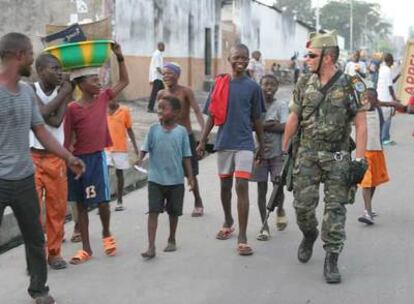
(321, 40)
(83, 72)
(173, 67)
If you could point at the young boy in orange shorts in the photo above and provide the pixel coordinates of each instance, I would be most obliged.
(377, 170)
(120, 125)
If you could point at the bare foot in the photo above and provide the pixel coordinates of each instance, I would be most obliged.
(170, 247)
(149, 254)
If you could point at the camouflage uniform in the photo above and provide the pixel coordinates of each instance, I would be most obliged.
(323, 156)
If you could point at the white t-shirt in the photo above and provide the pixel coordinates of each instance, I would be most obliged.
(157, 61)
(351, 67)
(258, 69)
(57, 133)
(384, 83)
(373, 131)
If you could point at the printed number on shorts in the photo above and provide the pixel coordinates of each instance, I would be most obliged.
(90, 192)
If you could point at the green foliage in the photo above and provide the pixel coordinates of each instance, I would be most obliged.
(368, 26)
(302, 9)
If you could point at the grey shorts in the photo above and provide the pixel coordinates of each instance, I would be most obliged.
(267, 167)
(234, 162)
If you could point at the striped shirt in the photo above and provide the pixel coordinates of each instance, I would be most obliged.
(18, 114)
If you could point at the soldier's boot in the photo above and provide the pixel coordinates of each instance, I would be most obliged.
(330, 269)
(306, 246)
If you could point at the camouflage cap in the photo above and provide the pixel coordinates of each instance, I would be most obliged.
(321, 40)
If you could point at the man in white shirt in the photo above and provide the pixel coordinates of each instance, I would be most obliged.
(155, 75)
(386, 93)
(356, 66)
(54, 93)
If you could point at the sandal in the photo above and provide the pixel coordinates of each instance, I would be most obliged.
(57, 263)
(109, 244)
(81, 257)
(244, 249)
(263, 236)
(197, 212)
(76, 237)
(225, 233)
(281, 222)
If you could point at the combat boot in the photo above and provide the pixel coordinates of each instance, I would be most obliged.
(306, 246)
(330, 269)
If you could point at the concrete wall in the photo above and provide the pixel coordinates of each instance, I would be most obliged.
(30, 17)
(278, 36)
(180, 24)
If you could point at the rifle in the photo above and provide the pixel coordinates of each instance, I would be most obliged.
(277, 196)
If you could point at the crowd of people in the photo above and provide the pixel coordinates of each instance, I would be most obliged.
(90, 134)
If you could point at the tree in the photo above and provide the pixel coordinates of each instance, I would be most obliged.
(301, 9)
(368, 26)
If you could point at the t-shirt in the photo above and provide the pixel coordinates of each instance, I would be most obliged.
(157, 61)
(18, 114)
(374, 130)
(89, 125)
(278, 111)
(383, 88)
(245, 104)
(351, 67)
(167, 149)
(118, 124)
(258, 69)
(58, 132)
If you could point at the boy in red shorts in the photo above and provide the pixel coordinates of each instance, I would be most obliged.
(87, 135)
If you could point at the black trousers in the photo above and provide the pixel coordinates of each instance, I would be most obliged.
(157, 85)
(21, 196)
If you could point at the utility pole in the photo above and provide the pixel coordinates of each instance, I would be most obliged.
(318, 25)
(351, 28)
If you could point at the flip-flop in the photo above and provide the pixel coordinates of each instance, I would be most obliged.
(58, 263)
(109, 244)
(244, 249)
(76, 237)
(80, 257)
(281, 222)
(224, 233)
(263, 236)
(197, 212)
(119, 207)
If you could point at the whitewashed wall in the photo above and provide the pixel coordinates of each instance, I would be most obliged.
(140, 24)
(276, 35)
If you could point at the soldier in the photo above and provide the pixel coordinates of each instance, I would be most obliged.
(325, 103)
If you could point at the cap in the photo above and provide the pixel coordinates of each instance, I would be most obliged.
(83, 72)
(321, 40)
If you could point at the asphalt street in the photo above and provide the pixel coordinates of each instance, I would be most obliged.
(377, 263)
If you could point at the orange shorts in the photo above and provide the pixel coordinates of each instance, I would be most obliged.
(377, 170)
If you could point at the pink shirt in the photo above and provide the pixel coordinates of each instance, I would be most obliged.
(89, 125)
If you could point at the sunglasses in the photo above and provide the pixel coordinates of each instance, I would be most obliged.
(311, 55)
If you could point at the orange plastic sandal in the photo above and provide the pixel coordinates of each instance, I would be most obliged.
(109, 244)
(80, 257)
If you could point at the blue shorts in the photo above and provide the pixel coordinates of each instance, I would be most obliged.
(93, 186)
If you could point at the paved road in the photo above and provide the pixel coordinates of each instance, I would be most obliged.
(377, 263)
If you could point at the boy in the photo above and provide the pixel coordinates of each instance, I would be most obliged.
(236, 105)
(169, 150)
(171, 73)
(53, 94)
(377, 170)
(120, 124)
(274, 125)
(86, 132)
